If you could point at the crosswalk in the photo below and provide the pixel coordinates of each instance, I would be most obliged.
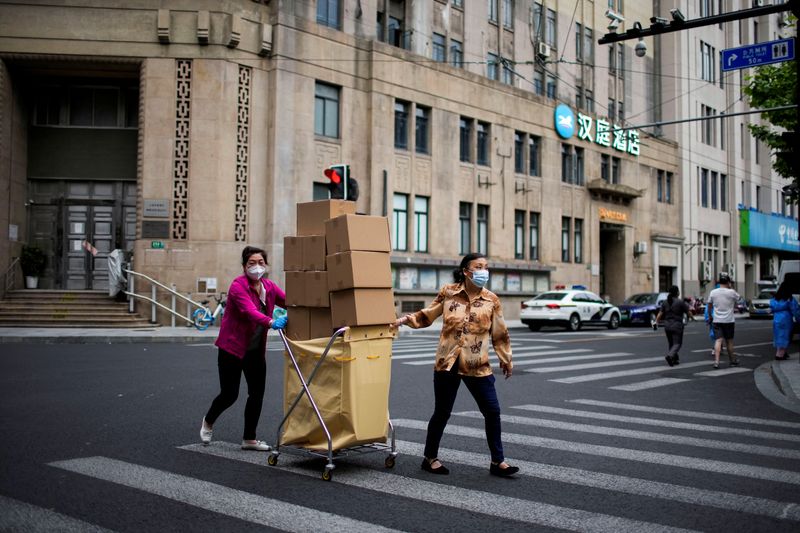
(634, 459)
(622, 370)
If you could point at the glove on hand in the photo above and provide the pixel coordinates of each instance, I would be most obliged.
(279, 323)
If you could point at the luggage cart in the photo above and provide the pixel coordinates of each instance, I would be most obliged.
(330, 454)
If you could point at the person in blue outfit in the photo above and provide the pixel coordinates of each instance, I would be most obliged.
(785, 311)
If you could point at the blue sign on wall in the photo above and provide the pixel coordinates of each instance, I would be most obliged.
(565, 121)
(754, 55)
(774, 232)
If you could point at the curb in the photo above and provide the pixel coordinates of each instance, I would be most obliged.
(772, 384)
(782, 382)
(101, 340)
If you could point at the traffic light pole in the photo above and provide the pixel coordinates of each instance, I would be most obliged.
(661, 25)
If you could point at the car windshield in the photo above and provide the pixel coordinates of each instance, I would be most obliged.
(765, 295)
(642, 299)
(551, 296)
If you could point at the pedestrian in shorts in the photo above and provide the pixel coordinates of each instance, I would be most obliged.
(722, 301)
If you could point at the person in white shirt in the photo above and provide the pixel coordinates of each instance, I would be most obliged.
(722, 301)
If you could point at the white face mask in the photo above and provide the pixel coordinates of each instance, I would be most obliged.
(480, 277)
(255, 272)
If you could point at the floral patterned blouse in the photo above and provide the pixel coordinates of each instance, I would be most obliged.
(468, 325)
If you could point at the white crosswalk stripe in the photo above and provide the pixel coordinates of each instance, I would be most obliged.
(625, 373)
(474, 501)
(649, 384)
(548, 352)
(724, 372)
(586, 366)
(628, 454)
(214, 497)
(688, 414)
(756, 449)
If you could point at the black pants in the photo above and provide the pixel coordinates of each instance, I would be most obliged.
(231, 368)
(445, 388)
(675, 340)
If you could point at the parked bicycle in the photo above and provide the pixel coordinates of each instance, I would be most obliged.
(205, 317)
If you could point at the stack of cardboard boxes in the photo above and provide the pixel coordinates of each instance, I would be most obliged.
(337, 270)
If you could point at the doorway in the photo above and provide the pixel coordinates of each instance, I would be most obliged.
(666, 278)
(612, 262)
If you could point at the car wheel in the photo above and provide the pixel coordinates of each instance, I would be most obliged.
(574, 323)
(534, 327)
(614, 322)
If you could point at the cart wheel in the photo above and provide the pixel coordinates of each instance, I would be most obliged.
(327, 475)
(389, 462)
(272, 460)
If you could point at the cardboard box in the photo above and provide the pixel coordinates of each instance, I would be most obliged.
(309, 289)
(362, 307)
(309, 323)
(357, 233)
(314, 252)
(359, 270)
(311, 216)
(292, 253)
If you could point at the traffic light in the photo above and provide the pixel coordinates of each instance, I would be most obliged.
(341, 185)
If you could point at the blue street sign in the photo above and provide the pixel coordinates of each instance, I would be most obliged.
(758, 54)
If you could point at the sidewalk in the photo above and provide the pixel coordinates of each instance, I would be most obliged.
(779, 382)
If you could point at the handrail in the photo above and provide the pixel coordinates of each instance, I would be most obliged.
(10, 274)
(154, 303)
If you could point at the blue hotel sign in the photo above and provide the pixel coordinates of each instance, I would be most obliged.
(774, 232)
(604, 134)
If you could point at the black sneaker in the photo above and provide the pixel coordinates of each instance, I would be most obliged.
(734, 363)
(669, 359)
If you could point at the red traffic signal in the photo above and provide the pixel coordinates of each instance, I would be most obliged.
(333, 174)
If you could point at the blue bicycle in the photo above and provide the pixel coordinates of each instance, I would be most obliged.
(205, 317)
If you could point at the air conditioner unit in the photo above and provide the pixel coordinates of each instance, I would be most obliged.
(640, 247)
(543, 49)
(705, 270)
(730, 268)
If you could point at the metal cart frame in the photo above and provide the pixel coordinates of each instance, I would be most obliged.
(331, 454)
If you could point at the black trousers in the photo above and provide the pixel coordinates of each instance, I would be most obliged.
(231, 368)
(675, 340)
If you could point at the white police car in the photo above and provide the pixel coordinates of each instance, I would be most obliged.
(571, 308)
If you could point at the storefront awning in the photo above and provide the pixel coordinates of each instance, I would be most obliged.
(614, 190)
(773, 232)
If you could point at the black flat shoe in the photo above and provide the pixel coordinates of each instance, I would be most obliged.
(669, 359)
(495, 470)
(441, 470)
(675, 360)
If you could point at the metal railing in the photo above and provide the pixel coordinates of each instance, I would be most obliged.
(153, 299)
(9, 278)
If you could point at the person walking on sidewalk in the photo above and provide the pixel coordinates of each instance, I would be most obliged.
(472, 315)
(785, 310)
(242, 344)
(722, 301)
(672, 311)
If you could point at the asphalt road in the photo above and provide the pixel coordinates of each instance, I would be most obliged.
(607, 436)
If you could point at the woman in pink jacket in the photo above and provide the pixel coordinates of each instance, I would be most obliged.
(242, 344)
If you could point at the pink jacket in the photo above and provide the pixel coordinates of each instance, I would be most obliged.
(242, 315)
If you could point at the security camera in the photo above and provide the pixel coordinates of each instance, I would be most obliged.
(614, 18)
(640, 48)
(677, 15)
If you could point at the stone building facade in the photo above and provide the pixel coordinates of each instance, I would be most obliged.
(181, 131)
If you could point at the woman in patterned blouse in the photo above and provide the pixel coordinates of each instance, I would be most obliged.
(472, 315)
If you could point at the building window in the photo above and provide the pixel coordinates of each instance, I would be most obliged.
(533, 222)
(565, 239)
(508, 14)
(456, 54)
(703, 187)
(483, 229)
(422, 130)
(538, 27)
(400, 219)
(713, 190)
(706, 7)
(396, 33)
(669, 188)
(588, 45)
(465, 139)
(519, 152)
(421, 224)
(578, 240)
(605, 163)
(723, 192)
(616, 169)
(458, 3)
(612, 108)
(493, 11)
(465, 225)
(326, 110)
(579, 173)
(620, 60)
(551, 87)
(401, 125)
(588, 100)
(328, 13)
(707, 68)
(550, 35)
(533, 155)
(621, 111)
(492, 66)
(439, 47)
(660, 186)
(483, 143)
(567, 168)
(758, 197)
(508, 74)
(538, 80)
(708, 127)
(578, 41)
(519, 234)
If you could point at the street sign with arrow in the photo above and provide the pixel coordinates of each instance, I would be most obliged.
(754, 55)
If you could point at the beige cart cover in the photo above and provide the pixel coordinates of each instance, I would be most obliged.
(351, 390)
